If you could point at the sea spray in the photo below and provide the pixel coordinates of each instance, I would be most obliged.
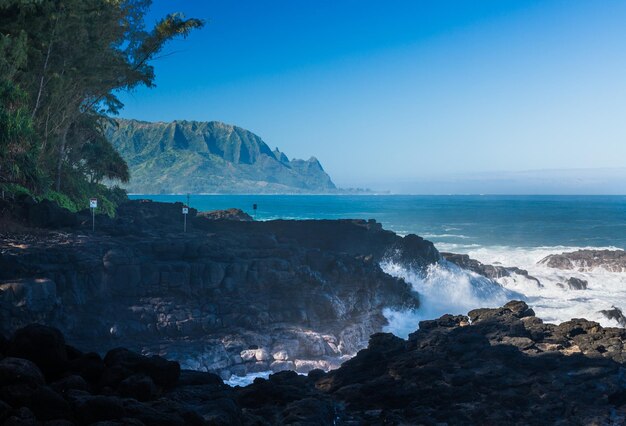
(246, 380)
(443, 288)
(554, 301)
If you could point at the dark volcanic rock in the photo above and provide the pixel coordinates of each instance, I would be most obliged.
(489, 271)
(495, 366)
(89, 409)
(45, 346)
(138, 386)
(229, 214)
(576, 283)
(48, 214)
(586, 260)
(304, 294)
(507, 367)
(163, 372)
(18, 370)
(615, 314)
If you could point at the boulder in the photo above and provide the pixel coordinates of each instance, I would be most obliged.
(23, 416)
(96, 408)
(49, 405)
(5, 410)
(45, 346)
(72, 382)
(277, 366)
(18, 370)
(576, 283)
(138, 386)
(89, 366)
(280, 355)
(163, 372)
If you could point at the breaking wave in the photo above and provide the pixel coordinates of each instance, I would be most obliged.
(443, 288)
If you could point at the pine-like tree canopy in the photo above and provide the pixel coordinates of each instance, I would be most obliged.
(62, 64)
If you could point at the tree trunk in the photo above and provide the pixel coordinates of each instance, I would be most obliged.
(43, 71)
(61, 155)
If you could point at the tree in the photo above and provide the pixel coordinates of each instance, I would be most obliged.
(69, 59)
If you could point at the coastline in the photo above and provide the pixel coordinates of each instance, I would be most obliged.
(236, 296)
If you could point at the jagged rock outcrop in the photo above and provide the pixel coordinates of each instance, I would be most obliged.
(494, 366)
(577, 283)
(227, 296)
(489, 271)
(229, 214)
(208, 157)
(615, 314)
(587, 260)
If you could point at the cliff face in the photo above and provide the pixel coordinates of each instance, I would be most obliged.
(207, 157)
(227, 296)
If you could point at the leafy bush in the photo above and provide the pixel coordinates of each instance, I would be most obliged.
(61, 199)
(13, 190)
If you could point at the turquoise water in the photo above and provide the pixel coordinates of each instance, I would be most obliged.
(449, 221)
(505, 230)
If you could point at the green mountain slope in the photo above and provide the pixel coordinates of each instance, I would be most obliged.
(210, 157)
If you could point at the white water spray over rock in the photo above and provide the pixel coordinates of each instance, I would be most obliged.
(443, 288)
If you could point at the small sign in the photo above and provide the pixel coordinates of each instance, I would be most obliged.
(93, 203)
(185, 210)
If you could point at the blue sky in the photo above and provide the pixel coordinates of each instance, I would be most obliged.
(393, 94)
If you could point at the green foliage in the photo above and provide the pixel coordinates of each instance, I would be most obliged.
(18, 148)
(108, 198)
(192, 156)
(13, 190)
(61, 199)
(62, 64)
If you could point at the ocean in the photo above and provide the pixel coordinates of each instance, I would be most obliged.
(502, 230)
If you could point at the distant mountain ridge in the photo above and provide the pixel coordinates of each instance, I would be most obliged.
(209, 157)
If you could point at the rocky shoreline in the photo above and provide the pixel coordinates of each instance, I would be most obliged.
(233, 296)
(230, 295)
(491, 367)
(588, 260)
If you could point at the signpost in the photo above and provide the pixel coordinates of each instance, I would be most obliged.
(93, 205)
(185, 212)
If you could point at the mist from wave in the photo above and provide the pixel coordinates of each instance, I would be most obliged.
(443, 288)
(554, 301)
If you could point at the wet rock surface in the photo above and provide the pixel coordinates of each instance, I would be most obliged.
(493, 366)
(300, 294)
(615, 314)
(490, 271)
(577, 284)
(588, 260)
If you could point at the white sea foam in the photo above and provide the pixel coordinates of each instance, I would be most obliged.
(247, 379)
(446, 288)
(554, 302)
(443, 289)
(463, 237)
